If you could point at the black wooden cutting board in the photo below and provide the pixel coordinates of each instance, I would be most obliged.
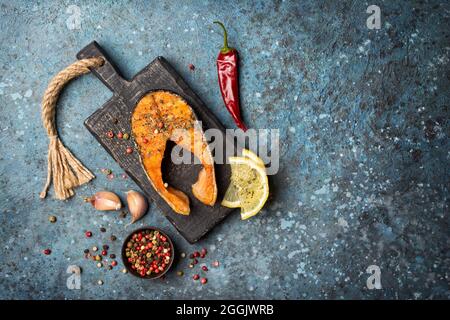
(115, 115)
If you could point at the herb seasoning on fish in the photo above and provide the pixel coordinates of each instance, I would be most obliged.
(148, 253)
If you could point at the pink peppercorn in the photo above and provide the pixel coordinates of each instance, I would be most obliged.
(47, 251)
(204, 280)
(205, 268)
(196, 277)
(129, 150)
(88, 234)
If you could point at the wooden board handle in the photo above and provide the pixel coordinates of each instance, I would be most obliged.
(107, 73)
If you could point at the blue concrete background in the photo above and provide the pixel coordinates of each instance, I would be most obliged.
(363, 118)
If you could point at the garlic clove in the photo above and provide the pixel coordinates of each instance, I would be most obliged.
(137, 205)
(105, 201)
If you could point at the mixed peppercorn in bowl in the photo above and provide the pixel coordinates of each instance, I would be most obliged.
(148, 253)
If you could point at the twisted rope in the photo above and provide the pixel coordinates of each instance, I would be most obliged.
(67, 171)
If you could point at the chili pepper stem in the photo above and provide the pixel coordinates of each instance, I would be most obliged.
(225, 48)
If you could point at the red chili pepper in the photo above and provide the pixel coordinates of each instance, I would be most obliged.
(227, 70)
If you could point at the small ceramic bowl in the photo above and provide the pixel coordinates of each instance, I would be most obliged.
(128, 265)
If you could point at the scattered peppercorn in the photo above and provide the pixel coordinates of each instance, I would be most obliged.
(180, 273)
(126, 136)
(47, 251)
(110, 134)
(88, 234)
(106, 171)
(52, 219)
(94, 249)
(105, 247)
(113, 238)
(129, 150)
(120, 135)
(195, 261)
(98, 258)
(196, 277)
(102, 229)
(100, 282)
(123, 214)
(216, 264)
(196, 254)
(112, 256)
(191, 265)
(204, 268)
(114, 263)
(204, 280)
(110, 176)
(183, 255)
(99, 265)
(191, 256)
(104, 253)
(203, 251)
(110, 267)
(86, 251)
(191, 67)
(124, 270)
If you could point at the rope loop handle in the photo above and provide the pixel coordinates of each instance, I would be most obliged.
(66, 170)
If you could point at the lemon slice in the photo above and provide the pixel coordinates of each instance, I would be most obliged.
(249, 182)
(249, 154)
(231, 198)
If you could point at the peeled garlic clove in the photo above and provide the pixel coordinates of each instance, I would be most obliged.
(105, 200)
(137, 205)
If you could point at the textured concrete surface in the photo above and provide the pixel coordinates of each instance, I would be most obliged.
(363, 117)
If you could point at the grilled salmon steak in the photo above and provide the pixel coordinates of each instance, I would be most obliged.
(160, 116)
